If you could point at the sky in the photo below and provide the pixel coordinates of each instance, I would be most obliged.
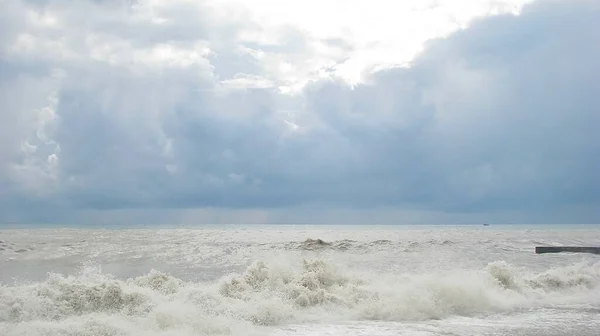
(329, 111)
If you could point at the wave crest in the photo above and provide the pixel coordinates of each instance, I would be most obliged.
(266, 294)
(60, 296)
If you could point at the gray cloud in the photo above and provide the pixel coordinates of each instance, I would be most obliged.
(501, 116)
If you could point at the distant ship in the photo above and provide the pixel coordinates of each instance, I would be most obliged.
(486, 224)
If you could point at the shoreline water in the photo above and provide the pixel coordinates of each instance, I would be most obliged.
(300, 280)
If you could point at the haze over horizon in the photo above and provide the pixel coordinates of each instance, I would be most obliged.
(256, 111)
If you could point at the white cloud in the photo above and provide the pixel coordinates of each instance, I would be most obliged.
(243, 81)
(375, 33)
(256, 106)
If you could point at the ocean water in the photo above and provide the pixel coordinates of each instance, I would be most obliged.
(299, 280)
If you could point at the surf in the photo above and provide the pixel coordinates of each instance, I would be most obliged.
(315, 290)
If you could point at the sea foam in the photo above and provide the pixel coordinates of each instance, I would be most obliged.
(91, 302)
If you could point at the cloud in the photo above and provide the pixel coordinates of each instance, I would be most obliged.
(169, 108)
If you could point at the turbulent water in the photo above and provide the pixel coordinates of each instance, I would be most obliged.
(299, 280)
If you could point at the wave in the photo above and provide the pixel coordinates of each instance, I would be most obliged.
(320, 244)
(267, 294)
(348, 244)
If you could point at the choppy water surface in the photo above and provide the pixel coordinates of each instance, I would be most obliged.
(299, 280)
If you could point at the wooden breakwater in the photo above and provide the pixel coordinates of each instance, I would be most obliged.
(573, 249)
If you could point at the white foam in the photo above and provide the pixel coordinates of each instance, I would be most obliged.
(94, 303)
(408, 280)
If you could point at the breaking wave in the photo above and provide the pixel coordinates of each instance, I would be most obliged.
(348, 244)
(94, 303)
(320, 244)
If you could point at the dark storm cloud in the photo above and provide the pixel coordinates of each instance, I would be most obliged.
(501, 116)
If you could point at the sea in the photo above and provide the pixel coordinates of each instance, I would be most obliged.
(298, 280)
